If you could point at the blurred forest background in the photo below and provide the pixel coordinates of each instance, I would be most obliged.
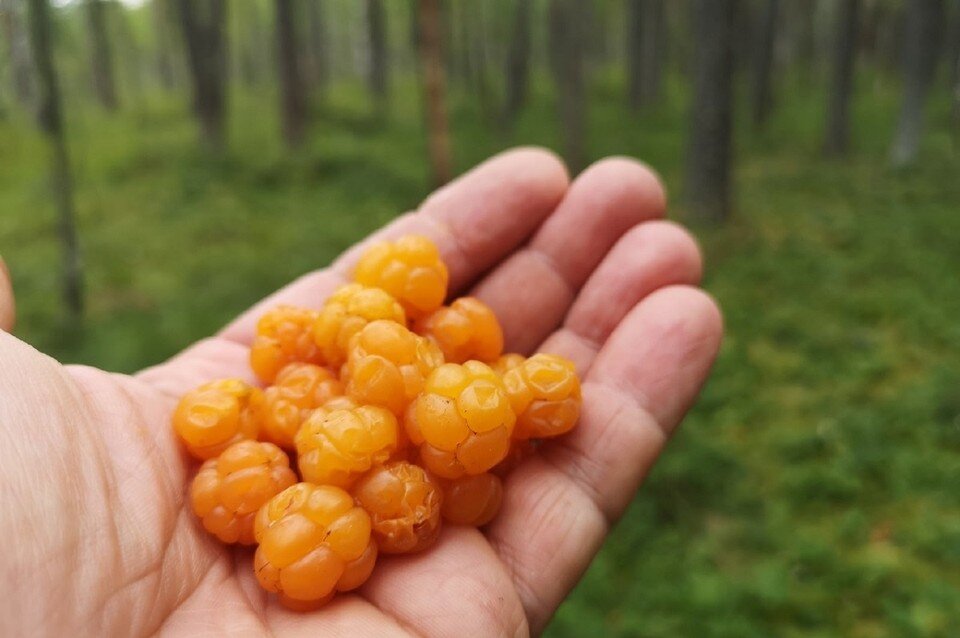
(165, 163)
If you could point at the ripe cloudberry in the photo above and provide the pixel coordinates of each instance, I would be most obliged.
(466, 329)
(314, 541)
(335, 447)
(211, 417)
(404, 505)
(228, 490)
(284, 335)
(545, 394)
(472, 500)
(410, 269)
(387, 365)
(299, 389)
(345, 313)
(507, 362)
(462, 422)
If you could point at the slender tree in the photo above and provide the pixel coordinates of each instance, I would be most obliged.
(163, 19)
(920, 51)
(646, 40)
(18, 51)
(763, 56)
(954, 60)
(50, 121)
(317, 45)
(434, 88)
(101, 57)
(518, 62)
(709, 150)
(566, 57)
(203, 23)
(377, 70)
(292, 96)
(837, 139)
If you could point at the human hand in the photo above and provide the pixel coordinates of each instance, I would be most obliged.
(99, 538)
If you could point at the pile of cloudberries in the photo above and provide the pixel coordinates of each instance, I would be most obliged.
(385, 413)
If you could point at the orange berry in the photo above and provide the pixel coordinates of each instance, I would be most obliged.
(410, 269)
(545, 393)
(472, 500)
(284, 335)
(211, 417)
(228, 490)
(404, 505)
(466, 329)
(507, 362)
(387, 365)
(299, 389)
(462, 422)
(335, 447)
(345, 313)
(314, 541)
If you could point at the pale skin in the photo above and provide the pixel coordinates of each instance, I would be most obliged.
(99, 537)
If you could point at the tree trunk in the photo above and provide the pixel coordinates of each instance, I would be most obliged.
(837, 138)
(953, 50)
(18, 51)
(646, 39)
(377, 70)
(518, 62)
(165, 61)
(954, 61)
(317, 41)
(804, 35)
(50, 120)
(709, 151)
(101, 59)
(634, 45)
(203, 25)
(763, 53)
(431, 61)
(920, 50)
(566, 57)
(292, 97)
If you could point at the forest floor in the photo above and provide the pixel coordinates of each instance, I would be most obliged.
(813, 491)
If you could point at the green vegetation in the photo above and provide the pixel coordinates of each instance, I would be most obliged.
(812, 492)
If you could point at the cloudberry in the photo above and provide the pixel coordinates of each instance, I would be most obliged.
(410, 269)
(299, 389)
(387, 365)
(472, 500)
(466, 329)
(284, 335)
(211, 417)
(463, 420)
(507, 362)
(545, 393)
(228, 490)
(404, 504)
(345, 313)
(313, 542)
(335, 447)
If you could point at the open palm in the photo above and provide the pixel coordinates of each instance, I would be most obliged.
(98, 536)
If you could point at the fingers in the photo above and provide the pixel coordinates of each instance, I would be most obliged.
(8, 308)
(652, 255)
(476, 221)
(559, 505)
(458, 587)
(533, 289)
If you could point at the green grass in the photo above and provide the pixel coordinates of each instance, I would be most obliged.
(812, 492)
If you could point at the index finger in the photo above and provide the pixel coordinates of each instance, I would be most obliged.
(476, 221)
